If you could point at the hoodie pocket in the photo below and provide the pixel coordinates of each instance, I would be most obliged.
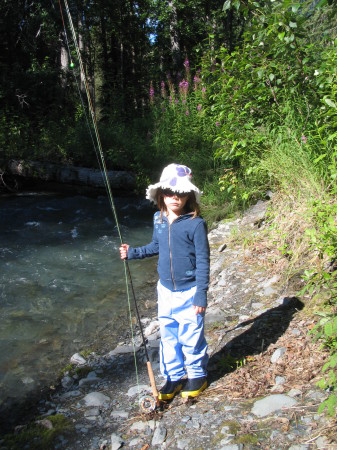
(183, 268)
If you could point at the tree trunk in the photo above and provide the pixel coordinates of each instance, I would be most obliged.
(175, 46)
(64, 60)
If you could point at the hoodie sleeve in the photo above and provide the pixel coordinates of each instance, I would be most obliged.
(145, 251)
(202, 264)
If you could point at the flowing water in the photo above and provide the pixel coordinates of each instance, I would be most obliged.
(61, 281)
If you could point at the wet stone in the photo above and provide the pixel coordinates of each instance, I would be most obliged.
(159, 435)
(271, 404)
(96, 399)
(116, 442)
(92, 412)
(278, 354)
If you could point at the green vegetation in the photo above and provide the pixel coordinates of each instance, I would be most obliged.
(244, 92)
(40, 434)
(227, 363)
(269, 111)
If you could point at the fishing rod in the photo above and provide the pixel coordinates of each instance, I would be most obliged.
(146, 403)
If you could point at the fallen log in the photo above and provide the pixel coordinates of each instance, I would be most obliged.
(81, 176)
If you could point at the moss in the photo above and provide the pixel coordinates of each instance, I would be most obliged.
(69, 368)
(85, 353)
(247, 439)
(216, 326)
(233, 428)
(36, 435)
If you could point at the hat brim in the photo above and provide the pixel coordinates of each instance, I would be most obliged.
(185, 186)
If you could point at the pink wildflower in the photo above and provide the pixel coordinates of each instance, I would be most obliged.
(187, 112)
(162, 89)
(183, 88)
(199, 107)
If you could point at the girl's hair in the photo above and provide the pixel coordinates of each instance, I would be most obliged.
(191, 205)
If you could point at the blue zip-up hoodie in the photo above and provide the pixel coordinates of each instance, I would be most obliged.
(183, 254)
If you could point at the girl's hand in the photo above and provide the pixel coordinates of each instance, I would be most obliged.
(123, 250)
(199, 309)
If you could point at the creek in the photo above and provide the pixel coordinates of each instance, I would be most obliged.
(62, 283)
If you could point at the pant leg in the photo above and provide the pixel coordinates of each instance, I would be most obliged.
(171, 355)
(191, 337)
(182, 335)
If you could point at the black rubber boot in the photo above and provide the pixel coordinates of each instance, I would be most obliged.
(194, 387)
(170, 389)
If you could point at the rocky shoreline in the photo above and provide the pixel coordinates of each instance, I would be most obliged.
(262, 373)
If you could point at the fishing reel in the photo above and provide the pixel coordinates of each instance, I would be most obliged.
(147, 404)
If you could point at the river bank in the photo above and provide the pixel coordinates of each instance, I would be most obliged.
(262, 373)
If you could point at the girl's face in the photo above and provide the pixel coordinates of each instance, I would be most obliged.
(175, 201)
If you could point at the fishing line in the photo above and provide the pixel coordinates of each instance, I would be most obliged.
(147, 403)
(80, 94)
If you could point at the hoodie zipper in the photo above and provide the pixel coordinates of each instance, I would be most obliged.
(171, 263)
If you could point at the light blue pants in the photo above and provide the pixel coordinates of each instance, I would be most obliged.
(183, 347)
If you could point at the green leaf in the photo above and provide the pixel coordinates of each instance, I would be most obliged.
(295, 7)
(237, 4)
(260, 73)
(333, 361)
(321, 3)
(330, 103)
(331, 403)
(271, 76)
(226, 5)
(328, 329)
(320, 158)
(281, 35)
(293, 24)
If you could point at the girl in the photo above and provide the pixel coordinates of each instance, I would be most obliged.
(180, 239)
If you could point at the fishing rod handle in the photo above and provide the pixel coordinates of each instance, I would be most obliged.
(152, 381)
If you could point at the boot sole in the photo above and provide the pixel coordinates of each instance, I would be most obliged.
(192, 394)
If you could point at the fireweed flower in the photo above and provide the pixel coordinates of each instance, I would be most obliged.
(217, 124)
(162, 89)
(187, 112)
(304, 139)
(196, 81)
(183, 88)
(199, 107)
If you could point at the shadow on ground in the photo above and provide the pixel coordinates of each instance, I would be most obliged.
(265, 330)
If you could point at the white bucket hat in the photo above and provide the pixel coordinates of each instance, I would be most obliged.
(175, 177)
